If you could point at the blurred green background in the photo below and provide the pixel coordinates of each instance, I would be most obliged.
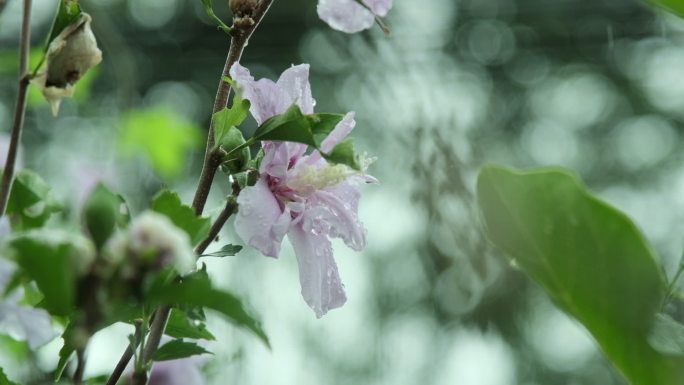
(594, 85)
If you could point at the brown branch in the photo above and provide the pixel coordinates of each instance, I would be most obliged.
(20, 108)
(240, 33)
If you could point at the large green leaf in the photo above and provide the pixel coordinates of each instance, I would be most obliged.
(674, 6)
(588, 256)
(196, 290)
(169, 203)
(182, 326)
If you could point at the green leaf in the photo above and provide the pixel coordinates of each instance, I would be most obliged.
(209, 9)
(181, 326)
(291, 126)
(52, 267)
(4, 380)
(31, 202)
(169, 203)
(226, 251)
(667, 336)
(322, 125)
(195, 290)
(588, 256)
(226, 121)
(178, 349)
(344, 153)
(101, 213)
(674, 6)
(162, 136)
(66, 351)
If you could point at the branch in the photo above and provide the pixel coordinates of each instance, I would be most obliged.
(20, 108)
(240, 34)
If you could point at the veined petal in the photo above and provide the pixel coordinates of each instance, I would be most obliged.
(345, 15)
(279, 157)
(341, 131)
(295, 82)
(379, 7)
(260, 221)
(322, 288)
(266, 97)
(341, 207)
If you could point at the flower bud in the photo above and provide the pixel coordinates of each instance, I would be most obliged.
(242, 8)
(70, 55)
(237, 161)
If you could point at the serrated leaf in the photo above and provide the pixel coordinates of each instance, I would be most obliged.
(66, 351)
(195, 290)
(4, 380)
(31, 202)
(178, 349)
(588, 256)
(344, 153)
(226, 251)
(181, 326)
(51, 267)
(169, 203)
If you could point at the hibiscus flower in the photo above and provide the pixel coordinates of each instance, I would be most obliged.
(298, 194)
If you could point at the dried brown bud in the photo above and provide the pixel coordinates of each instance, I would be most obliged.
(70, 55)
(242, 8)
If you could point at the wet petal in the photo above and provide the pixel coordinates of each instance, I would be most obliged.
(279, 157)
(341, 207)
(341, 131)
(379, 7)
(295, 82)
(322, 288)
(266, 97)
(345, 15)
(260, 222)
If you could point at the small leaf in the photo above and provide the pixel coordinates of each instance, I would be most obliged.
(178, 349)
(674, 6)
(667, 336)
(290, 126)
(31, 202)
(51, 266)
(322, 125)
(209, 9)
(183, 216)
(226, 251)
(181, 326)
(195, 290)
(4, 380)
(66, 351)
(230, 118)
(101, 213)
(344, 153)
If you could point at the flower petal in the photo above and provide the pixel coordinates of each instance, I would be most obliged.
(345, 15)
(7, 269)
(322, 288)
(295, 82)
(176, 372)
(341, 206)
(279, 157)
(266, 97)
(379, 7)
(26, 324)
(261, 222)
(341, 131)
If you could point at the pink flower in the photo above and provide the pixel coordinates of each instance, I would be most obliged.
(352, 15)
(298, 195)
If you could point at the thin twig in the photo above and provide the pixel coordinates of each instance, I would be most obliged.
(80, 366)
(240, 34)
(228, 211)
(20, 108)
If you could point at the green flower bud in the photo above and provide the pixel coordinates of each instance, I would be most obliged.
(237, 161)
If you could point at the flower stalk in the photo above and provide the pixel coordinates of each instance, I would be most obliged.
(20, 107)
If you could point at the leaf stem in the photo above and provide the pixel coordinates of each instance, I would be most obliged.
(240, 34)
(80, 366)
(20, 108)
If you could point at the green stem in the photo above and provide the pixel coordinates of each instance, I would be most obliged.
(20, 108)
